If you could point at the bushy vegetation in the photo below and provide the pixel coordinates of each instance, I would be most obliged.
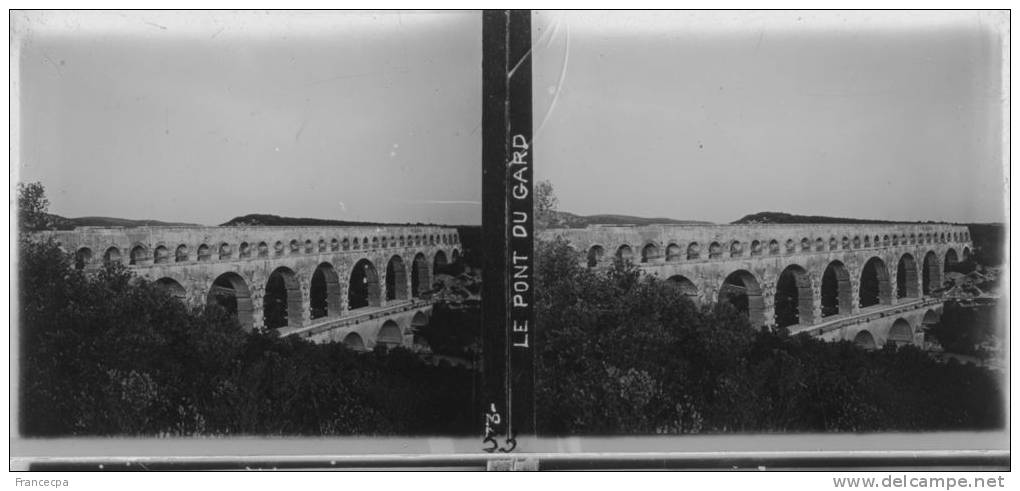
(622, 352)
(106, 353)
(967, 330)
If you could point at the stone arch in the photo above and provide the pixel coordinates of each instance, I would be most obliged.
(805, 245)
(322, 246)
(375, 242)
(624, 253)
(439, 262)
(419, 321)
(421, 275)
(204, 253)
(263, 249)
(357, 244)
(714, 250)
(865, 340)
(885, 241)
(755, 248)
(930, 319)
(396, 279)
(384, 243)
(334, 245)
(139, 255)
(82, 257)
(595, 254)
(309, 246)
(774, 247)
(224, 251)
(874, 284)
(912, 239)
(791, 246)
(900, 334)
(324, 292)
(455, 255)
(161, 255)
(942, 238)
(833, 244)
(877, 242)
(244, 250)
(867, 241)
(181, 254)
(743, 291)
(895, 240)
(950, 260)
(649, 253)
(685, 285)
(295, 247)
(673, 252)
(693, 251)
(794, 297)
(819, 245)
(931, 274)
(279, 248)
(966, 253)
(363, 288)
(846, 243)
(112, 256)
(857, 242)
(389, 335)
(230, 292)
(736, 249)
(281, 304)
(173, 287)
(836, 292)
(354, 342)
(346, 244)
(906, 277)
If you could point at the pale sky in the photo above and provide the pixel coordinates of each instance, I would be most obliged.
(712, 116)
(200, 117)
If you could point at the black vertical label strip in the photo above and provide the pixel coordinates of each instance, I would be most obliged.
(520, 226)
(507, 230)
(494, 212)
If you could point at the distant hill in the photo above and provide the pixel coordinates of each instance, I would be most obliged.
(563, 219)
(260, 219)
(63, 223)
(779, 217)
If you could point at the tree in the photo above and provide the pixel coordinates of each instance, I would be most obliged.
(621, 351)
(33, 207)
(545, 205)
(107, 353)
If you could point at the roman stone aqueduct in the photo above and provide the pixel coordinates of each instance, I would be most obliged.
(360, 285)
(872, 284)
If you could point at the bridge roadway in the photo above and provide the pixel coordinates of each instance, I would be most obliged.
(360, 285)
(871, 284)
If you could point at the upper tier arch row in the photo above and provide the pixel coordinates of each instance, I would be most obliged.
(144, 246)
(651, 244)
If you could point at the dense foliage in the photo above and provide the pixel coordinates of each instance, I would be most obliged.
(968, 330)
(989, 243)
(105, 353)
(624, 352)
(32, 207)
